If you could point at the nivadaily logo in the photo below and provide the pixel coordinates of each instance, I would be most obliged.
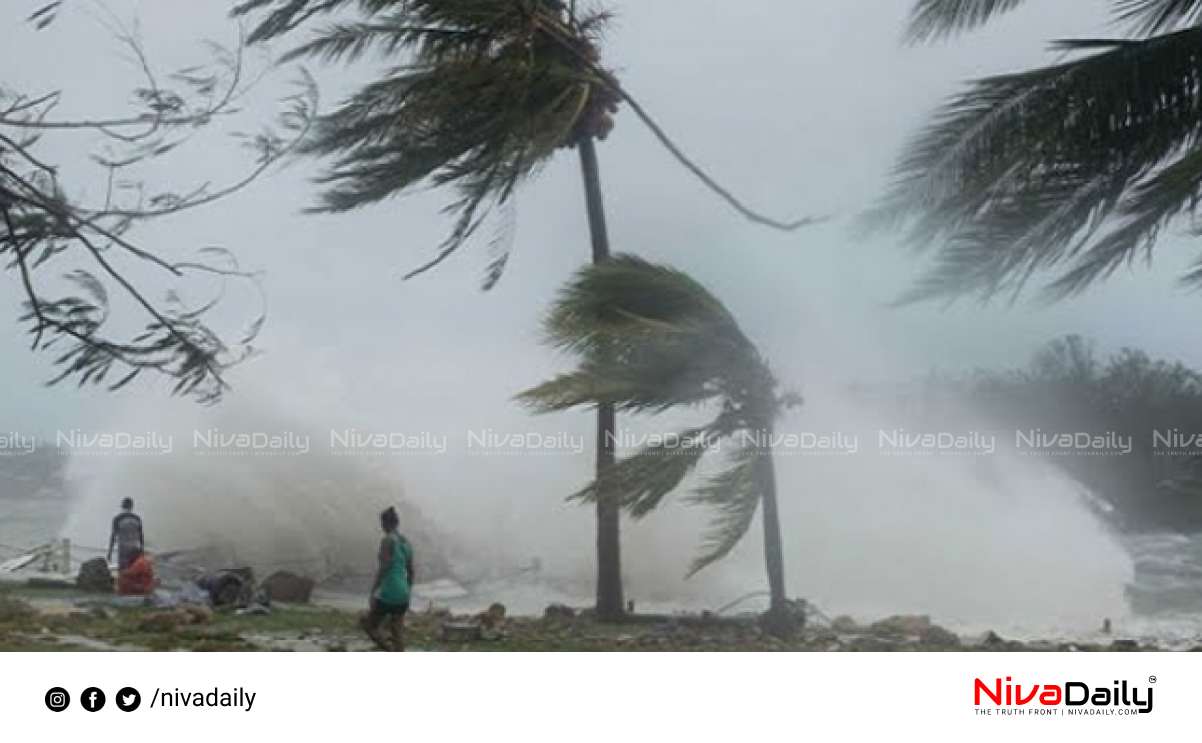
(1066, 698)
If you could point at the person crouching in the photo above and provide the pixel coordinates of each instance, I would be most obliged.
(136, 579)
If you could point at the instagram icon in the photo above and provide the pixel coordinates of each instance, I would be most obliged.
(57, 699)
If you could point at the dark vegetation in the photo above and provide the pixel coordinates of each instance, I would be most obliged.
(1067, 388)
(77, 258)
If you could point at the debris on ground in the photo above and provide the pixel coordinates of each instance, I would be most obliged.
(559, 611)
(95, 576)
(229, 588)
(49, 583)
(73, 620)
(461, 632)
(493, 617)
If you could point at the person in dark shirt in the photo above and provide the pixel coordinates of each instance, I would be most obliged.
(126, 535)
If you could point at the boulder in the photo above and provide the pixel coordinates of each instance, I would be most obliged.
(226, 588)
(902, 624)
(289, 587)
(937, 636)
(95, 577)
(559, 611)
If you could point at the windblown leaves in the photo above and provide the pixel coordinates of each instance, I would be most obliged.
(935, 19)
(1075, 167)
(487, 93)
(90, 241)
(649, 338)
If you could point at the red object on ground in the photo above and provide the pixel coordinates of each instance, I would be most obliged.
(137, 579)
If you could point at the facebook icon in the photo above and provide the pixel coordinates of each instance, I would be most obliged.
(92, 699)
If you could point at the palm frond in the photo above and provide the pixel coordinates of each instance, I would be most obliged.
(650, 384)
(936, 19)
(735, 495)
(1018, 174)
(487, 93)
(283, 16)
(1153, 16)
(641, 482)
(650, 338)
(1150, 205)
(627, 298)
(348, 42)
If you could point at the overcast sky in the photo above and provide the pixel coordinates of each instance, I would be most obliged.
(800, 108)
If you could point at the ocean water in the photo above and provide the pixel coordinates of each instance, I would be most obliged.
(1163, 597)
(28, 522)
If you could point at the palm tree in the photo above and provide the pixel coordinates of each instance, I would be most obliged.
(1075, 167)
(650, 338)
(487, 92)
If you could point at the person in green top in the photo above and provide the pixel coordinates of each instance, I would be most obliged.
(390, 590)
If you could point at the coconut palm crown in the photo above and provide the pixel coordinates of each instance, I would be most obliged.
(485, 93)
(649, 338)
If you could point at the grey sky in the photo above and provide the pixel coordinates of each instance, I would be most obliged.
(799, 107)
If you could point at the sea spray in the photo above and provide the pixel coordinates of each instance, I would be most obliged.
(314, 513)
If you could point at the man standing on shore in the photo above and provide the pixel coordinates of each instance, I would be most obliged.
(126, 535)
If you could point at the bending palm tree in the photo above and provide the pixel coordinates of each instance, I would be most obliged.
(488, 92)
(649, 339)
(1075, 167)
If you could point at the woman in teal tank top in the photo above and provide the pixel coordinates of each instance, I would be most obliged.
(390, 590)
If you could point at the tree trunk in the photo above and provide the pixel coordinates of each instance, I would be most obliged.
(609, 549)
(773, 553)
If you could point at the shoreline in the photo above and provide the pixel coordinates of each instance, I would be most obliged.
(55, 619)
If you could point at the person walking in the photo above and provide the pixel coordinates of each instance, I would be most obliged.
(390, 590)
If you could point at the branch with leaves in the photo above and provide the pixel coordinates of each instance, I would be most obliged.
(44, 226)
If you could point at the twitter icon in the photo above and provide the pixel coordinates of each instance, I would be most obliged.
(128, 699)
